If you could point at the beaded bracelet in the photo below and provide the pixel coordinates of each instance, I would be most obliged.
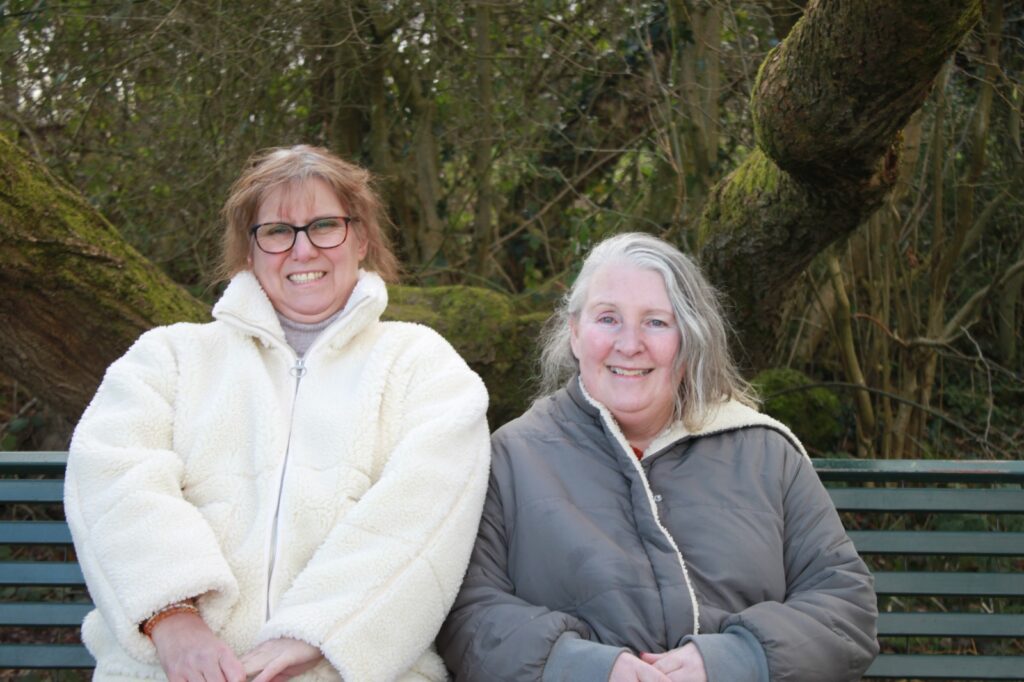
(169, 610)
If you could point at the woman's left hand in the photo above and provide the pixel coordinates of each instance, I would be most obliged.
(277, 660)
(684, 664)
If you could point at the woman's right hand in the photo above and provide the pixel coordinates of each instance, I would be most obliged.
(629, 668)
(190, 652)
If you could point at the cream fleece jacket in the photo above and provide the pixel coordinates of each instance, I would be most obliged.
(332, 499)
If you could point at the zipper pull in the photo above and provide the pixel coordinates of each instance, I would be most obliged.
(298, 370)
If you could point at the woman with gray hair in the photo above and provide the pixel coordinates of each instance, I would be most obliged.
(643, 520)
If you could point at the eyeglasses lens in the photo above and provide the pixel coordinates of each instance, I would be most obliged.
(324, 234)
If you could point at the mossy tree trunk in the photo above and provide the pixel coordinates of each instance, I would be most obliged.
(76, 295)
(828, 104)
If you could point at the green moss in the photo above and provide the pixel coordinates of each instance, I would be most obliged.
(495, 339)
(53, 232)
(814, 414)
(744, 192)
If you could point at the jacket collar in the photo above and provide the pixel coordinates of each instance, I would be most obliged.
(729, 415)
(246, 307)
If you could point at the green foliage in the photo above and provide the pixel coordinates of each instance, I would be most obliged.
(495, 338)
(596, 118)
(813, 413)
(151, 108)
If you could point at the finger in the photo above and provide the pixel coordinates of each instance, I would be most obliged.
(648, 657)
(273, 669)
(213, 670)
(232, 668)
(668, 663)
(687, 676)
(256, 660)
(212, 676)
(649, 674)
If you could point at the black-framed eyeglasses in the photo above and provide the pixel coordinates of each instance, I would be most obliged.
(323, 233)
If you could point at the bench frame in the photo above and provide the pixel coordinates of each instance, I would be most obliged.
(858, 487)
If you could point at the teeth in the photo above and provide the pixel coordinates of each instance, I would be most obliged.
(303, 277)
(629, 372)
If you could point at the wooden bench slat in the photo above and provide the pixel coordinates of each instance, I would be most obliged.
(41, 462)
(959, 543)
(950, 584)
(31, 491)
(43, 613)
(40, 573)
(951, 624)
(37, 656)
(963, 500)
(34, 533)
(893, 625)
(947, 667)
(920, 470)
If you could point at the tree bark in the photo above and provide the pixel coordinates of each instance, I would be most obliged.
(828, 106)
(75, 293)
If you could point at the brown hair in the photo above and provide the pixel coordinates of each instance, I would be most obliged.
(269, 169)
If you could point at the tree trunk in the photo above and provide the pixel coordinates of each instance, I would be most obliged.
(828, 107)
(483, 230)
(75, 293)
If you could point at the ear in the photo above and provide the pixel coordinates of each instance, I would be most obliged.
(363, 243)
(574, 337)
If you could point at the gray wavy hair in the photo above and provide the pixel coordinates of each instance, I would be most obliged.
(709, 372)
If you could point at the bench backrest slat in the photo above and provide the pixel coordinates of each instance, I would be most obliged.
(22, 573)
(953, 543)
(44, 613)
(951, 624)
(933, 500)
(42, 462)
(34, 533)
(919, 666)
(950, 584)
(31, 491)
(45, 656)
(920, 470)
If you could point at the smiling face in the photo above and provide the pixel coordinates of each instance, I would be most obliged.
(626, 339)
(307, 284)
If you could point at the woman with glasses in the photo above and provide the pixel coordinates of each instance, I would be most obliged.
(293, 488)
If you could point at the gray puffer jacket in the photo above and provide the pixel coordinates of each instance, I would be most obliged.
(724, 537)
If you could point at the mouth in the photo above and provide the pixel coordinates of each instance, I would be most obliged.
(305, 277)
(623, 372)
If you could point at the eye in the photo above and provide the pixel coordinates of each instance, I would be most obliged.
(605, 319)
(276, 230)
(661, 324)
(326, 225)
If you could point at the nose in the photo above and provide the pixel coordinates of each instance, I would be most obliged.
(303, 249)
(629, 340)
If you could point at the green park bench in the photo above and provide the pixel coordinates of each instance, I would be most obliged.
(949, 575)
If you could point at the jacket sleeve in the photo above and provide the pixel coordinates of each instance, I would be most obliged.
(491, 634)
(140, 544)
(825, 628)
(400, 552)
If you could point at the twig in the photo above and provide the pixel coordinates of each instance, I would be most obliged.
(898, 398)
(20, 413)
